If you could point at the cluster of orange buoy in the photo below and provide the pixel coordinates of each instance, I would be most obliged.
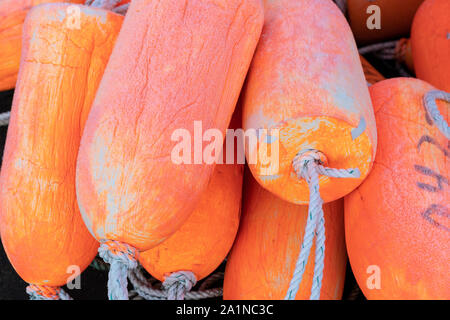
(358, 166)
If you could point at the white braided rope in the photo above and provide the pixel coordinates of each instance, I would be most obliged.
(319, 257)
(4, 118)
(37, 292)
(178, 283)
(308, 165)
(429, 101)
(144, 288)
(120, 262)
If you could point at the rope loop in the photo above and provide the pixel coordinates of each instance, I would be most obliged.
(121, 257)
(38, 292)
(149, 290)
(308, 165)
(429, 101)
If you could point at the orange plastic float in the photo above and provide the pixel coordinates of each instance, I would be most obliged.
(190, 67)
(41, 227)
(12, 16)
(307, 101)
(308, 84)
(263, 257)
(395, 18)
(396, 223)
(430, 40)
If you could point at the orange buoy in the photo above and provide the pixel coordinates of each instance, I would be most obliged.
(306, 87)
(380, 20)
(430, 41)
(372, 75)
(188, 67)
(41, 227)
(205, 239)
(12, 16)
(263, 257)
(397, 222)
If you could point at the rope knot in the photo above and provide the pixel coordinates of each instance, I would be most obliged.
(308, 164)
(178, 283)
(122, 257)
(306, 161)
(38, 292)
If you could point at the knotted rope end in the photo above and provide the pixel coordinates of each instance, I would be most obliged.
(177, 284)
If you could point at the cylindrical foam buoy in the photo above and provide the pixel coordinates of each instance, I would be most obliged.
(306, 86)
(185, 76)
(12, 16)
(263, 257)
(381, 20)
(41, 227)
(430, 41)
(397, 222)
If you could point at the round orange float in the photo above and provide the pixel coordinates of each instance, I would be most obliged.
(264, 255)
(430, 41)
(306, 88)
(41, 227)
(397, 222)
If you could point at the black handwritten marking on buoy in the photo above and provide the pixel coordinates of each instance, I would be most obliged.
(438, 210)
(433, 209)
(431, 140)
(428, 172)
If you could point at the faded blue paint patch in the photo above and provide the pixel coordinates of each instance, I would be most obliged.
(356, 132)
(344, 100)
